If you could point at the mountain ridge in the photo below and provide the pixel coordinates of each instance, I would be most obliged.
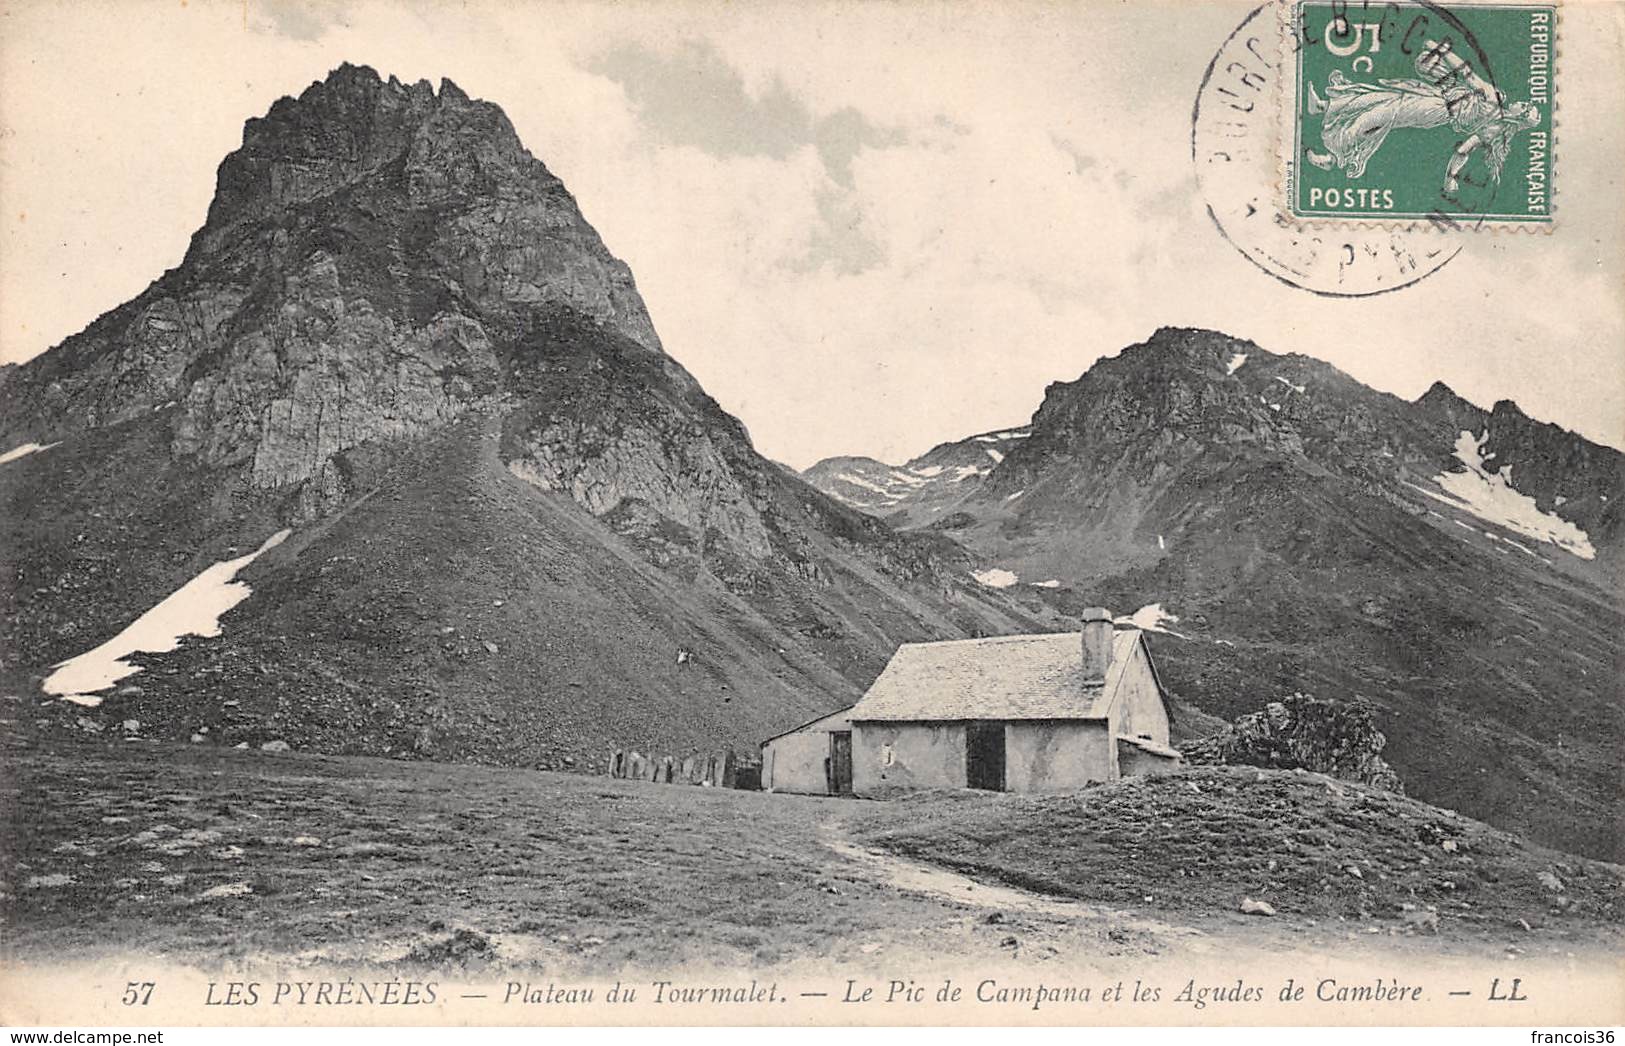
(1597, 467)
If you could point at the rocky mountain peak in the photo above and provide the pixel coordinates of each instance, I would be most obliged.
(1176, 380)
(355, 131)
(1197, 345)
(1178, 375)
(1439, 392)
(378, 259)
(1441, 399)
(514, 527)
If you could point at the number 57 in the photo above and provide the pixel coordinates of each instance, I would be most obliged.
(138, 993)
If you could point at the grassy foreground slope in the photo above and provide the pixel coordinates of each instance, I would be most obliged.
(198, 854)
(1305, 844)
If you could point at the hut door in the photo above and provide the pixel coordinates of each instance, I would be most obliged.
(984, 756)
(840, 762)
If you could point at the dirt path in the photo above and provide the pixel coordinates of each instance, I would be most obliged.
(932, 881)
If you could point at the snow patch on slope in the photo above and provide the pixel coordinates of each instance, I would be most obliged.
(23, 450)
(1491, 497)
(1150, 618)
(995, 577)
(194, 609)
(859, 481)
(1235, 363)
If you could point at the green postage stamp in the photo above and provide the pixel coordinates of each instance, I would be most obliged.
(1442, 112)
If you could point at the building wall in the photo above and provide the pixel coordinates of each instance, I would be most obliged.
(1135, 761)
(1050, 755)
(1137, 707)
(1039, 756)
(891, 756)
(795, 762)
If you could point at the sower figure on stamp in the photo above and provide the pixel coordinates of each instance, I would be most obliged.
(1356, 117)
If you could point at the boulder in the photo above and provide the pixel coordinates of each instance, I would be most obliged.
(1337, 738)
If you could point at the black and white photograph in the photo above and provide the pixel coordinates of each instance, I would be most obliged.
(924, 513)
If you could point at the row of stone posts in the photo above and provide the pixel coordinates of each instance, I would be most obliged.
(708, 771)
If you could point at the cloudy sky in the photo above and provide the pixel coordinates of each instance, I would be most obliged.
(864, 228)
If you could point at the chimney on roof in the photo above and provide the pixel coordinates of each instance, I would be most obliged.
(1097, 644)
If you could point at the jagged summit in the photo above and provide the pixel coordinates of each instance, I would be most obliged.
(1196, 343)
(355, 130)
(377, 256)
(1443, 401)
(1193, 337)
(1439, 391)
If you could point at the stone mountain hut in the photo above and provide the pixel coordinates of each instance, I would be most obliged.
(1035, 713)
(813, 759)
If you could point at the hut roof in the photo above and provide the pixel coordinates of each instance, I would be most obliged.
(814, 721)
(1003, 677)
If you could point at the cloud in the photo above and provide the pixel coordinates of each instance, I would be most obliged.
(839, 242)
(1081, 161)
(694, 97)
(843, 134)
(302, 20)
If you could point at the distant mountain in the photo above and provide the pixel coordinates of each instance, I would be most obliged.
(516, 529)
(916, 492)
(1457, 566)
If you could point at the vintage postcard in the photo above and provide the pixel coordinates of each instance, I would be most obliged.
(690, 513)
